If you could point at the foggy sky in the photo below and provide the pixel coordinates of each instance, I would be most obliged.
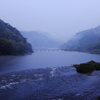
(61, 18)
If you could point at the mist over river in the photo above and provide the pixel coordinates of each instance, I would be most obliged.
(47, 75)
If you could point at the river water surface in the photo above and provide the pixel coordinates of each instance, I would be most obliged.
(47, 76)
(44, 59)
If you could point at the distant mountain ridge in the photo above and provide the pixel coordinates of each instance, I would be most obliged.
(85, 41)
(40, 40)
(12, 42)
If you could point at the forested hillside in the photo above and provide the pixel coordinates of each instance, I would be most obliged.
(12, 42)
(85, 41)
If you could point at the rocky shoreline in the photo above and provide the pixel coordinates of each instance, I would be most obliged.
(61, 83)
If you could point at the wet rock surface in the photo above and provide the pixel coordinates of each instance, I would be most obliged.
(61, 83)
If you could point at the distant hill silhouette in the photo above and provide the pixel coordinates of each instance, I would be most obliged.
(85, 41)
(12, 42)
(40, 40)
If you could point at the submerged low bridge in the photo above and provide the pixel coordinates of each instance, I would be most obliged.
(49, 49)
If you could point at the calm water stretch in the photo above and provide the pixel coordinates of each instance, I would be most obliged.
(47, 75)
(44, 59)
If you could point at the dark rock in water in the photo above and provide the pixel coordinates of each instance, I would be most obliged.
(88, 67)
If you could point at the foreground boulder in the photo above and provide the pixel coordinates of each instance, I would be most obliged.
(88, 67)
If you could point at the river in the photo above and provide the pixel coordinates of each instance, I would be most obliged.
(47, 75)
(44, 59)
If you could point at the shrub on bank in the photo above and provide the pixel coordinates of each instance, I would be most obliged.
(87, 67)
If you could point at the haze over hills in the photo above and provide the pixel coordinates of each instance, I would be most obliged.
(40, 39)
(85, 41)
